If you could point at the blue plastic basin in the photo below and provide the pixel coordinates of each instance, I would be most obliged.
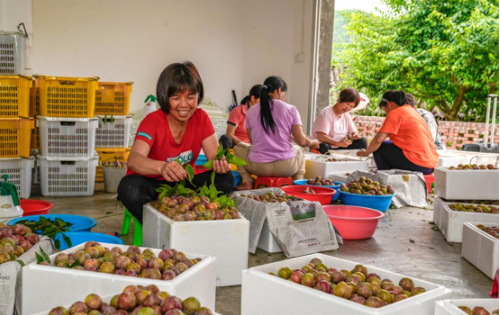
(80, 223)
(202, 159)
(237, 178)
(78, 238)
(335, 187)
(380, 203)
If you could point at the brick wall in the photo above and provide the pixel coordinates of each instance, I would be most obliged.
(453, 133)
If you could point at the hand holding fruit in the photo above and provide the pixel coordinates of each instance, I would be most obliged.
(314, 144)
(173, 172)
(362, 152)
(221, 166)
(344, 143)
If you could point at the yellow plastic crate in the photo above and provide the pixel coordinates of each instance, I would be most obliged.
(14, 95)
(35, 138)
(15, 136)
(113, 98)
(34, 99)
(110, 155)
(67, 97)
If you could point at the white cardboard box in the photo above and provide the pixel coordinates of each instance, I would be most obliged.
(62, 286)
(438, 206)
(472, 184)
(447, 158)
(338, 177)
(225, 239)
(450, 307)
(452, 222)
(318, 167)
(263, 293)
(267, 242)
(480, 248)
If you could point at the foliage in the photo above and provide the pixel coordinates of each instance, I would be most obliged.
(340, 20)
(443, 52)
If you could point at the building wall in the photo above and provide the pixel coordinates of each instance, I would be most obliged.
(234, 43)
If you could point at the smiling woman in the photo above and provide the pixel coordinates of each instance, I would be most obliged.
(170, 138)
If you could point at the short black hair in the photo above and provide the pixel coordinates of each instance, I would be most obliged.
(398, 97)
(348, 95)
(178, 78)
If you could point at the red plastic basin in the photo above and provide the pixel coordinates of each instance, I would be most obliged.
(35, 207)
(354, 223)
(323, 195)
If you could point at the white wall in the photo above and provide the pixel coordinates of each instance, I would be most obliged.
(234, 43)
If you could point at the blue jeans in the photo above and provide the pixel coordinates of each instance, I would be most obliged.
(389, 156)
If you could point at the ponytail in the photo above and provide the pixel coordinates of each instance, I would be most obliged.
(398, 97)
(271, 84)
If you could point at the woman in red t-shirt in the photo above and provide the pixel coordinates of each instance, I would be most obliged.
(177, 131)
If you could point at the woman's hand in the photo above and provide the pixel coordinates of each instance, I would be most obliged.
(173, 172)
(362, 152)
(314, 145)
(355, 136)
(221, 166)
(344, 143)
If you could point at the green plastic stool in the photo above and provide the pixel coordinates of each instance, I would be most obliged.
(127, 216)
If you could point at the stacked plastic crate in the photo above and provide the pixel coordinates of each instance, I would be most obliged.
(64, 110)
(112, 109)
(15, 130)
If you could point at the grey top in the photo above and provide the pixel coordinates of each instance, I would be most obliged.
(433, 127)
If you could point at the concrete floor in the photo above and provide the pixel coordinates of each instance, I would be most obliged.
(403, 243)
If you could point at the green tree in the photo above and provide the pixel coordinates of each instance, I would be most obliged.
(443, 52)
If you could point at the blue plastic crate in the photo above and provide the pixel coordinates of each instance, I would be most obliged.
(202, 159)
(78, 238)
(80, 223)
(380, 203)
(237, 178)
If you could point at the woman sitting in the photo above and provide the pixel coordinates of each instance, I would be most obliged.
(270, 126)
(170, 138)
(411, 147)
(236, 131)
(334, 127)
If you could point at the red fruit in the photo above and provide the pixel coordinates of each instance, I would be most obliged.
(296, 276)
(90, 244)
(78, 307)
(126, 301)
(165, 254)
(151, 300)
(170, 303)
(93, 301)
(19, 229)
(32, 238)
(323, 285)
(122, 262)
(175, 312)
(168, 275)
(130, 273)
(219, 215)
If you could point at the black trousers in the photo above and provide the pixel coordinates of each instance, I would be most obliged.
(360, 143)
(389, 156)
(134, 191)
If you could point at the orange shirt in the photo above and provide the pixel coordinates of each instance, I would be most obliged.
(409, 132)
(237, 118)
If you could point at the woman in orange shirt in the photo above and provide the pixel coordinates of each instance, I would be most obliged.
(412, 146)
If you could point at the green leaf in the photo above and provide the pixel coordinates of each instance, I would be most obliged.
(45, 256)
(39, 258)
(190, 171)
(209, 164)
(21, 262)
(237, 161)
(212, 179)
(74, 264)
(57, 243)
(67, 240)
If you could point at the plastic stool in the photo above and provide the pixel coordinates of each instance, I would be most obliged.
(429, 180)
(272, 181)
(127, 216)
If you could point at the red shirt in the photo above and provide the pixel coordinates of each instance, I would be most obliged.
(155, 131)
(237, 118)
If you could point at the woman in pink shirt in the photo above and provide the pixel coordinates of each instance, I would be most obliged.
(270, 126)
(334, 127)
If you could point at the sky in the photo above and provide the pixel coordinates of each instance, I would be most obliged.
(365, 5)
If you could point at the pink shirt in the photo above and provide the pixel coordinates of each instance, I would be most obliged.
(273, 146)
(237, 118)
(333, 126)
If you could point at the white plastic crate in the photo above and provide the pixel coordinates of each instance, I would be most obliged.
(351, 154)
(12, 47)
(227, 240)
(20, 170)
(447, 159)
(263, 293)
(267, 242)
(472, 184)
(67, 137)
(470, 157)
(452, 222)
(450, 307)
(53, 286)
(339, 177)
(113, 131)
(67, 176)
(438, 206)
(480, 248)
(318, 167)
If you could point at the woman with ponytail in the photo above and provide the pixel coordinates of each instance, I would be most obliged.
(270, 127)
(411, 147)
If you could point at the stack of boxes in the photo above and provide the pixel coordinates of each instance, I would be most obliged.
(64, 110)
(112, 109)
(15, 131)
